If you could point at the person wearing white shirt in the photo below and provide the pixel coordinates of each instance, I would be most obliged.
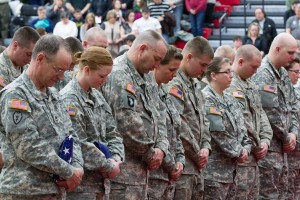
(65, 28)
(146, 23)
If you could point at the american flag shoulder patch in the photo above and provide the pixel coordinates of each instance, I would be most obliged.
(3, 82)
(269, 88)
(214, 111)
(130, 88)
(176, 92)
(18, 104)
(71, 111)
(238, 94)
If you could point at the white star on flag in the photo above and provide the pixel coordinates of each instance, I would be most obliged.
(66, 151)
(70, 160)
(70, 136)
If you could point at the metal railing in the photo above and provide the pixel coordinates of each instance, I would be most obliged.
(221, 21)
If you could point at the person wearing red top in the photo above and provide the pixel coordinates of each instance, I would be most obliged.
(196, 9)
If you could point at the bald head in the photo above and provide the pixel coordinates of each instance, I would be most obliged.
(150, 37)
(225, 51)
(282, 50)
(95, 36)
(283, 39)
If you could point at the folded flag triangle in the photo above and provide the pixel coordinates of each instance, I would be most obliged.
(65, 152)
(103, 148)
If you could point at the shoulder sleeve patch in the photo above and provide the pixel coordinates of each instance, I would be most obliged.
(214, 111)
(176, 92)
(18, 104)
(130, 88)
(71, 111)
(269, 88)
(238, 94)
(3, 82)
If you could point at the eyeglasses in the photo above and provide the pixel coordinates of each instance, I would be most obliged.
(229, 72)
(59, 70)
(295, 71)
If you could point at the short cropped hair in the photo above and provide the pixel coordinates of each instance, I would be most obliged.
(26, 36)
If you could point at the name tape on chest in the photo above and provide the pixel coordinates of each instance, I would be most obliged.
(18, 104)
(71, 110)
(130, 88)
(176, 92)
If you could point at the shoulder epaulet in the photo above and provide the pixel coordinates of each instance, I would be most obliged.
(130, 88)
(18, 104)
(176, 92)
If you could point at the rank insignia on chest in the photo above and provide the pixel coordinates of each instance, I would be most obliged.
(71, 111)
(238, 94)
(269, 88)
(130, 88)
(3, 82)
(18, 104)
(176, 92)
(214, 111)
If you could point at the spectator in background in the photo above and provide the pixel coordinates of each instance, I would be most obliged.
(146, 23)
(89, 23)
(137, 7)
(177, 6)
(78, 19)
(253, 37)
(196, 11)
(4, 18)
(267, 27)
(290, 12)
(83, 5)
(65, 28)
(100, 8)
(237, 42)
(54, 11)
(126, 5)
(117, 9)
(112, 30)
(42, 21)
(292, 24)
(127, 26)
(162, 11)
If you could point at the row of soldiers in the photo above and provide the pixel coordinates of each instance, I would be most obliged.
(143, 126)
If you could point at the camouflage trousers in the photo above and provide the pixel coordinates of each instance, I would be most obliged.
(86, 196)
(160, 190)
(273, 175)
(246, 184)
(30, 197)
(294, 185)
(214, 190)
(189, 187)
(123, 191)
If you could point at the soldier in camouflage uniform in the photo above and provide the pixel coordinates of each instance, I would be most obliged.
(93, 121)
(133, 98)
(293, 157)
(95, 36)
(277, 100)
(33, 124)
(18, 54)
(229, 140)
(246, 62)
(76, 46)
(162, 181)
(187, 96)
